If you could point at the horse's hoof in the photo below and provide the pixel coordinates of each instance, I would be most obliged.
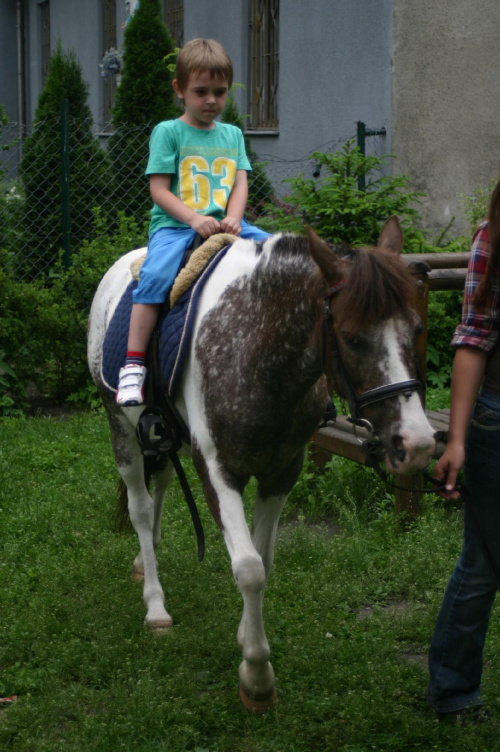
(160, 625)
(258, 705)
(137, 573)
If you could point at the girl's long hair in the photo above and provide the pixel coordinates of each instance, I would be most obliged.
(493, 265)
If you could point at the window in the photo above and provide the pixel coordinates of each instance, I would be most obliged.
(264, 64)
(173, 15)
(108, 40)
(45, 40)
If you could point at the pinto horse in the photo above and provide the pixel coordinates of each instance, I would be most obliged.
(254, 386)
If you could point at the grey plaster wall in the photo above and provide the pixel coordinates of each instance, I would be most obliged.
(79, 29)
(227, 22)
(446, 101)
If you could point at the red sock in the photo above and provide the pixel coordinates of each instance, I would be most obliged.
(136, 357)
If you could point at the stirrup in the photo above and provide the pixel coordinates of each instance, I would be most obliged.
(154, 434)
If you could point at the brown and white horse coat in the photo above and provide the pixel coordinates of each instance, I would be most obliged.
(254, 388)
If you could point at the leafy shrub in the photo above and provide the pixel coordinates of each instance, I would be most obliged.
(11, 222)
(43, 327)
(342, 213)
(476, 205)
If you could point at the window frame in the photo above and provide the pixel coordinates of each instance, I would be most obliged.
(263, 97)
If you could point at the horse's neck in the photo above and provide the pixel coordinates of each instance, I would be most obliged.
(288, 330)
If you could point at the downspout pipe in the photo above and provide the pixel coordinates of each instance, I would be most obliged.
(20, 74)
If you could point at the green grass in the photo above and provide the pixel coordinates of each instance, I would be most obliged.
(349, 616)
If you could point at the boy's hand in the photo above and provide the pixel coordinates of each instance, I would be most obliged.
(231, 225)
(205, 226)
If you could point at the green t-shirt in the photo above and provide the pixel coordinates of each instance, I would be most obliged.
(202, 164)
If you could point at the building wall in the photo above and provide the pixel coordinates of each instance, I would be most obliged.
(79, 31)
(227, 22)
(335, 69)
(446, 101)
(428, 72)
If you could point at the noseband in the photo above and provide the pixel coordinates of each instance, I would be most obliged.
(357, 402)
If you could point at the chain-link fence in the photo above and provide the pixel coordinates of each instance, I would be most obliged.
(60, 180)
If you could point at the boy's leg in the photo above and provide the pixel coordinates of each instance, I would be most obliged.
(251, 232)
(133, 372)
(142, 322)
(165, 251)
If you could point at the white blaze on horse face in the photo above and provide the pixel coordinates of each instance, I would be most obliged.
(415, 435)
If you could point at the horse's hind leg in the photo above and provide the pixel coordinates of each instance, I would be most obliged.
(161, 481)
(130, 465)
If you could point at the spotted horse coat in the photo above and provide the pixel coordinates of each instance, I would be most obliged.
(252, 390)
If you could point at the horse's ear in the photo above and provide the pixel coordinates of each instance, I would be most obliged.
(322, 254)
(391, 236)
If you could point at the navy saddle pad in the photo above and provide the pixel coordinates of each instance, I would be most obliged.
(175, 332)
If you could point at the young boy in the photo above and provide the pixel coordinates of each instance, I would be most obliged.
(198, 182)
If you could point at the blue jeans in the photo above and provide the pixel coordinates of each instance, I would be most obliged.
(456, 651)
(166, 250)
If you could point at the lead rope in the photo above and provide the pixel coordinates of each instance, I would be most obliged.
(440, 486)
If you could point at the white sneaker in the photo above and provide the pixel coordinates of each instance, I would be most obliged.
(131, 385)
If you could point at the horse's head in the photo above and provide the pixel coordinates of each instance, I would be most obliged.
(371, 327)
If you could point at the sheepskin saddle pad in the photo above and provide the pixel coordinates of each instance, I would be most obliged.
(175, 324)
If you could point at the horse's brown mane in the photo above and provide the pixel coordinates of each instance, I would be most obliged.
(377, 287)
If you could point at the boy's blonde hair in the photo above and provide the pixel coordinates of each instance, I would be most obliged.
(203, 56)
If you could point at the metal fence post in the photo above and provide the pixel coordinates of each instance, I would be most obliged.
(65, 196)
(362, 133)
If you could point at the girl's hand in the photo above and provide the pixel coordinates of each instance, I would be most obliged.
(447, 469)
(231, 225)
(205, 226)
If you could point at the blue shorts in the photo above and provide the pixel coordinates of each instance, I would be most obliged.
(166, 250)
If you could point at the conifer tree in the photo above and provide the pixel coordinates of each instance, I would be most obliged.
(144, 98)
(40, 168)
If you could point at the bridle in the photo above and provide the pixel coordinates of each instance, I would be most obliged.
(357, 402)
(372, 446)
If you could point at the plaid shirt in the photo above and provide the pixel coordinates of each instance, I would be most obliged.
(480, 325)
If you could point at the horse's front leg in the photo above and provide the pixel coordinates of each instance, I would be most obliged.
(257, 686)
(264, 527)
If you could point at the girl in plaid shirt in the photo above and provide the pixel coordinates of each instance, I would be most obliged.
(456, 652)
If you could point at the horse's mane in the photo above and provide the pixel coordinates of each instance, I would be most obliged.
(377, 287)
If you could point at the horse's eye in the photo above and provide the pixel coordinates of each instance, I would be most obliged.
(354, 342)
(419, 329)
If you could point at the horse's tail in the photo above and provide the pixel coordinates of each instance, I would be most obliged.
(122, 517)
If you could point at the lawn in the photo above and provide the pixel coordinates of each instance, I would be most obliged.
(349, 612)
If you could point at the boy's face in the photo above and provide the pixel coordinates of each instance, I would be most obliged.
(204, 98)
